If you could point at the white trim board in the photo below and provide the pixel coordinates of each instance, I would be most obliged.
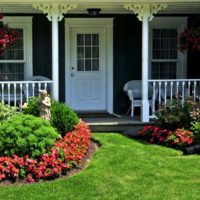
(106, 23)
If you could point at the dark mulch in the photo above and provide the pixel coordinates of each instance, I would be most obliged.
(92, 148)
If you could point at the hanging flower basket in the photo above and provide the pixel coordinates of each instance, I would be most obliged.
(8, 36)
(189, 40)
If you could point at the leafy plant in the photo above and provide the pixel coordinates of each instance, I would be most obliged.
(195, 128)
(6, 112)
(26, 135)
(32, 106)
(63, 118)
(175, 115)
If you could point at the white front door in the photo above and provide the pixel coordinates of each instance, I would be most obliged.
(88, 69)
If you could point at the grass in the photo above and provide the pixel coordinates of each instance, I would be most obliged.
(122, 169)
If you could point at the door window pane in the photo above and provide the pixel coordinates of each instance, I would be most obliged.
(88, 39)
(87, 52)
(95, 39)
(88, 65)
(80, 65)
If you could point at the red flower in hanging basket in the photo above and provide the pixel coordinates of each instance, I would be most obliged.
(8, 36)
(189, 40)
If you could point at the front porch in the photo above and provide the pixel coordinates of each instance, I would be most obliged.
(126, 53)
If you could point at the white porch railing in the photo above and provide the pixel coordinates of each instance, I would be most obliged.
(17, 92)
(165, 90)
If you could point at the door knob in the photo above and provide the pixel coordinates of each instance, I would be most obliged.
(72, 75)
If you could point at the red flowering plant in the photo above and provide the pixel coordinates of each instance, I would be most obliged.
(189, 39)
(178, 138)
(67, 153)
(8, 36)
(154, 134)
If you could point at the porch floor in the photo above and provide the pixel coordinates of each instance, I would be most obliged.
(120, 123)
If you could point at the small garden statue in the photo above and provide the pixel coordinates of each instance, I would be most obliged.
(45, 104)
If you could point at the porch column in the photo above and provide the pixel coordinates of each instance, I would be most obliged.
(145, 14)
(55, 13)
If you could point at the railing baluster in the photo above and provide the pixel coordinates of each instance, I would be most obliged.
(21, 97)
(159, 89)
(15, 99)
(8, 93)
(194, 90)
(165, 95)
(177, 86)
(33, 88)
(183, 92)
(2, 92)
(153, 99)
(189, 85)
(27, 92)
(171, 90)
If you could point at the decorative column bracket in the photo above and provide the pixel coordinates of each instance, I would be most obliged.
(55, 9)
(145, 10)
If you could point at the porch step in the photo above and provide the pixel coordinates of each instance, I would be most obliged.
(121, 124)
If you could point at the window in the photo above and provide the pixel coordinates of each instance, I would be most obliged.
(87, 52)
(166, 61)
(16, 62)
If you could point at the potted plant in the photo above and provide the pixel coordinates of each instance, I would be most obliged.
(8, 36)
(189, 39)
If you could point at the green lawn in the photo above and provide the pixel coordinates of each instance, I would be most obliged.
(123, 169)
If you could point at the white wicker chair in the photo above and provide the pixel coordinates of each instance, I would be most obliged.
(134, 91)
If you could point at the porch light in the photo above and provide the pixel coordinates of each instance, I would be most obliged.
(93, 11)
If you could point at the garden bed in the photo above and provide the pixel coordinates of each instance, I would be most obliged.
(86, 159)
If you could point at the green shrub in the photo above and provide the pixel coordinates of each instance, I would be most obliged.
(32, 106)
(195, 128)
(26, 135)
(63, 118)
(6, 112)
(175, 115)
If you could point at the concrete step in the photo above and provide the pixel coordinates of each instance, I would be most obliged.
(120, 124)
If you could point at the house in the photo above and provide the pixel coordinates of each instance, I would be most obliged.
(90, 56)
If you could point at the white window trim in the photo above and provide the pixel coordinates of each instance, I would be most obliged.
(170, 22)
(92, 22)
(24, 23)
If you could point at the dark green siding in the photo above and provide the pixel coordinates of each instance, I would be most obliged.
(193, 61)
(126, 49)
(127, 57)
(41, 46)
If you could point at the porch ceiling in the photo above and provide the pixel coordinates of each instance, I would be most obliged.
(114, 6)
